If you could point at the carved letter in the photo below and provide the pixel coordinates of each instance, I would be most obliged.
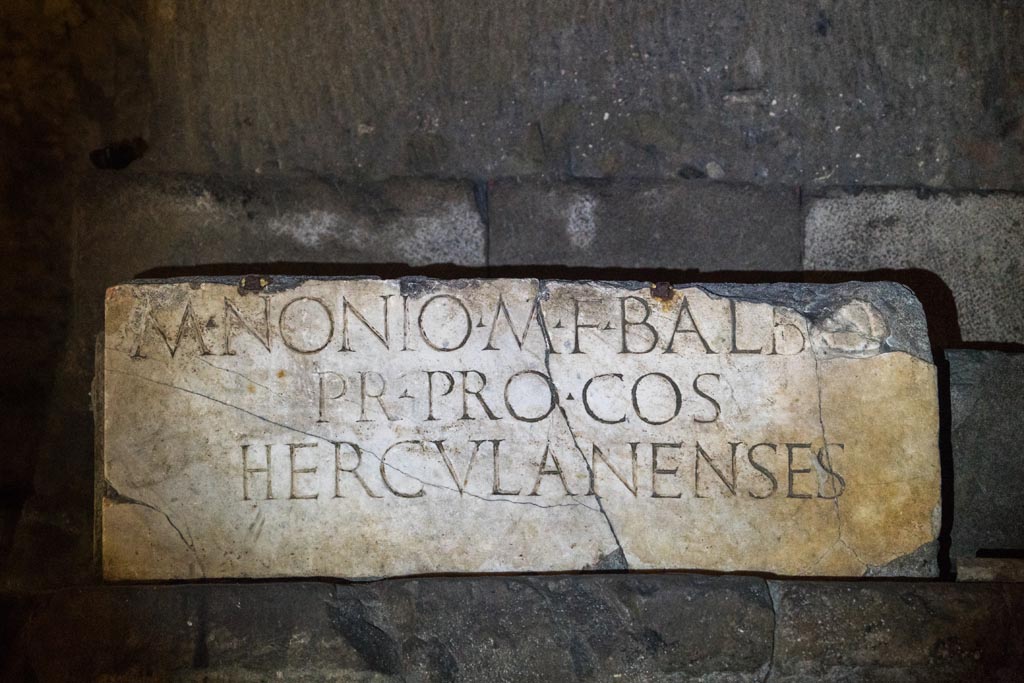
(247, 471)
(460, 483)
(684, 308)
(430, 390)
(779, 330)
(496, 477)
(577, 325)
(655, 470)
(384, 472)
(232, 315)
(552, 396)
(535, 312)
(701, 454)
(188, 323)
(790, 447)
(364, 394)
(838, 484)
(586, 400)
(286, 332)
(338, 469)
(598, 454)
(676, 393)
(465, 312)
(626, 324)
(323, 392)
(718, 408)
(385, 338)
(466, 392)
(767, 473)
(544, 470)
(292, 452)
(732, 319)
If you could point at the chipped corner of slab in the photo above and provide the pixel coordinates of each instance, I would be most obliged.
(368, 428)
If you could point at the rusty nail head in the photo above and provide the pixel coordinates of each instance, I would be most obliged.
(253, 283)
(661, 290)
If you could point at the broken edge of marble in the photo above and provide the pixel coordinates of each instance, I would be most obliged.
(882, 318)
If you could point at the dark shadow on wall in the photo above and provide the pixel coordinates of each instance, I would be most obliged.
(946, 569)
(946, 564)
(935, 296)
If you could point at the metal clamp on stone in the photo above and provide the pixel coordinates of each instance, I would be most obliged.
(364, 428)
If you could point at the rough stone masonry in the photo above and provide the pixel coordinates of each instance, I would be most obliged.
(359, 428)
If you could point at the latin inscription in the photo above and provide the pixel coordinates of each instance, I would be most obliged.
(443, 323)
(490, 410)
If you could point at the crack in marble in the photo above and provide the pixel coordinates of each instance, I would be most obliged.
(113, 495)
(330, 441)
(828, 457)
(572, 435)
(239, 374)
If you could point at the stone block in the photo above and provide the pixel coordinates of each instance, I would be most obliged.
(130, 224)
(459, 629)
(1009, 569)
(756, 92)
(987, 403)
(540, 628)
(896, 631)
(973, 242)
(676, 225)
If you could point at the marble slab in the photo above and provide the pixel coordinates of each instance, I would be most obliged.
(362, 428)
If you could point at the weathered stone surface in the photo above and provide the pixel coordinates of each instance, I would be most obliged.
(468, 629)
(987, 402)
(571, 628)
(794, 93)
(973, 242)
(641, 224)
(990, 569)
(895, 631)
(362, 428)
(214, 220)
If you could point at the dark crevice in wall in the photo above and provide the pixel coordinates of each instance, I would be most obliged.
(946, 467)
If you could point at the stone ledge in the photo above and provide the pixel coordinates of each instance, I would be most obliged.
(897, 631)
(644, 224)
(972, 243)
(569, 627)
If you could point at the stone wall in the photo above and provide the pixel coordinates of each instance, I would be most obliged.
(661, 141)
